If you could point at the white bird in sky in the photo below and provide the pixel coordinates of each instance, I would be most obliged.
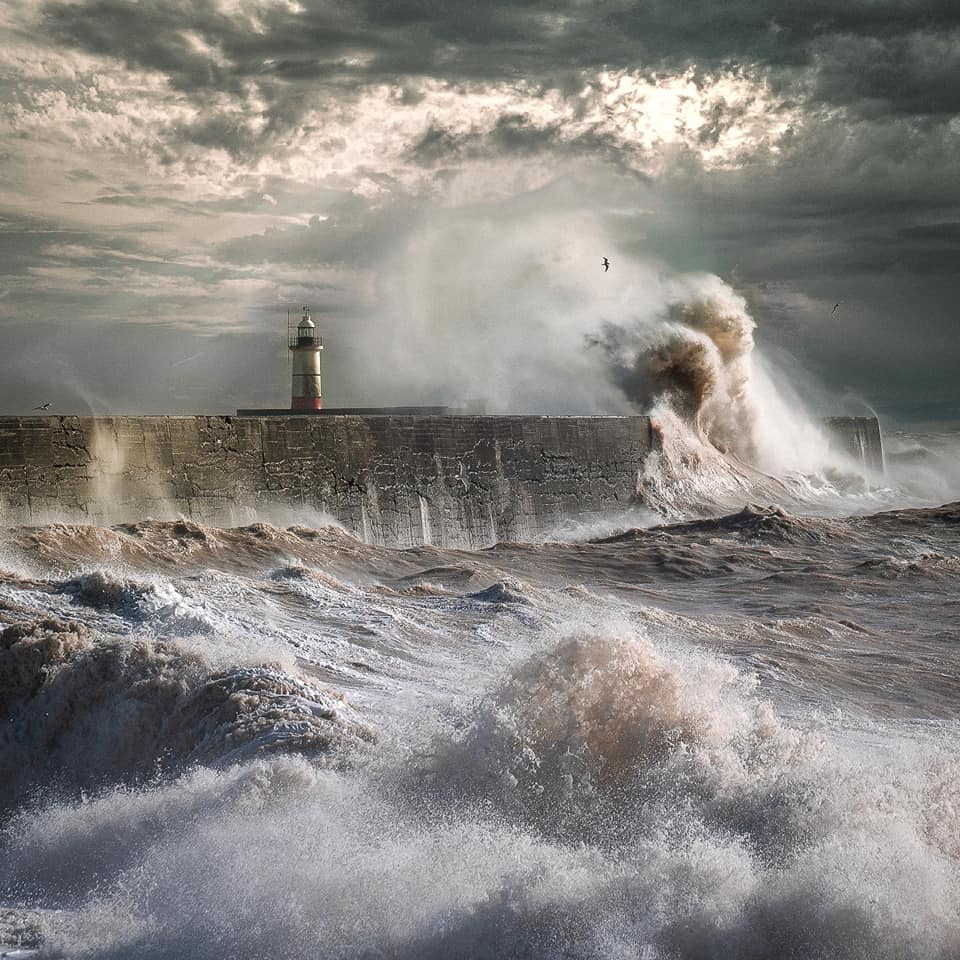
(836, 307)
(43, 406)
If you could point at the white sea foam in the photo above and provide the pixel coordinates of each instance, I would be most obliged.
(604, 800)
(83, 711)
(558, 772)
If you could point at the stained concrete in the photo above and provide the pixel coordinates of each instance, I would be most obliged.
(466, 481)
(859, 437)
(454, 480)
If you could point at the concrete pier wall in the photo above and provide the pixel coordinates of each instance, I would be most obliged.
(859, 437)
(398, 480)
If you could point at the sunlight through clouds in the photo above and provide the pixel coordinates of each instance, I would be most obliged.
(812, 160)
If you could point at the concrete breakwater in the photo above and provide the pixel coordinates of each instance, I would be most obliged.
(860, 438)
(398, 480)
(453, 480)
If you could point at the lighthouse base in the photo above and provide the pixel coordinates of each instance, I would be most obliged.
(306, 403)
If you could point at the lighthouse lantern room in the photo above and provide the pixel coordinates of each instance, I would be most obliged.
(305, 347)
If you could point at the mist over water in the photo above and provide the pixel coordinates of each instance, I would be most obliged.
(512, 306)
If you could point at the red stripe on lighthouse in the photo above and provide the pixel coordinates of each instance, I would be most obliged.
(306, 403)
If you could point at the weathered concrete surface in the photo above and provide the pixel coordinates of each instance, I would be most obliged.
(398, 480)
(456, 480)
(860, 437)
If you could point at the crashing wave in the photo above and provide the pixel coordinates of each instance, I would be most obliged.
(753, 522)
(726, 430)
(304, 574)
(500, 592)
(80, 711)
(602, 725)
(947, 515)
(770, 523)
(156, 601)
(605, 799)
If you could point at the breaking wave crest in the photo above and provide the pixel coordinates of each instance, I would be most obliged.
(81, 711)
(606, 799)
(729, 428)
(156, 601)
(773, 524)
(754, 522)
(603, 734)
(697, 361)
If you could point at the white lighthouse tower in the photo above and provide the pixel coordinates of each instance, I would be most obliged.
(305, 346)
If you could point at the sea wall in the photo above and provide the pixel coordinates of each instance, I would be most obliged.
(464, 481)
(399, 480)
(859, 437)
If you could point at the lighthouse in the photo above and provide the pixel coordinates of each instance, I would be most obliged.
(305, 346)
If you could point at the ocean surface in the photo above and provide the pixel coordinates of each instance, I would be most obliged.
(726, 725)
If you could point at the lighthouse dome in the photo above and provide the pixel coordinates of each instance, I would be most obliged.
(306, 324)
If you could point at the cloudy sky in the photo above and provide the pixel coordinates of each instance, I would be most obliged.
(438, 179)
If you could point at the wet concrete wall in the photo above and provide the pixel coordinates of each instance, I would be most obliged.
(860, 437)
(398, 480)
(454, 480)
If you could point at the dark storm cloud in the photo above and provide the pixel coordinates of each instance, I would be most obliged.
(156, 35)
(860, 43)
(903, 53)
(205, 53)
(859, 200)
(913, 74)
(144, 35)
(218, 130)
(513, 134)
(946, 232)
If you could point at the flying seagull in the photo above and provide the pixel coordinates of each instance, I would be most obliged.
(836, 306)
(606, 264)
(43, 406)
